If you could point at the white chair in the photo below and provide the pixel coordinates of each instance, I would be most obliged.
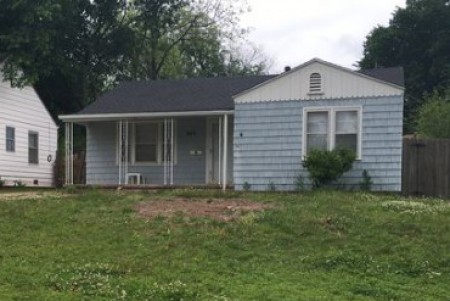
(134, 178)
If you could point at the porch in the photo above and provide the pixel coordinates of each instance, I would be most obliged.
(155, 150)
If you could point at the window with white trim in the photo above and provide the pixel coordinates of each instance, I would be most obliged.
(146, 138)
(33, 148)
(315, 83)
(146, 142)
(10, 139)
(332, 128)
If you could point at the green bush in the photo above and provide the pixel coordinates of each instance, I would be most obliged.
(433, 119)
(366, 183)
(327, 166)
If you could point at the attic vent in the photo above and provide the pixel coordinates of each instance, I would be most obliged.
(315, 83)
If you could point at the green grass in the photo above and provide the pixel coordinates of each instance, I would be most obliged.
(323, 245)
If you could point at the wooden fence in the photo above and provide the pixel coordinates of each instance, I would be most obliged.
(426, 167)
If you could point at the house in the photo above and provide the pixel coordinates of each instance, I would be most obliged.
(252, 131)
(28, 138)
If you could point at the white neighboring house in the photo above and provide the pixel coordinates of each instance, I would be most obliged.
(28, 137)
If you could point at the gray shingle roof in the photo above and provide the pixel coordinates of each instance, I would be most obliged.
(199, 94)
(394, 75)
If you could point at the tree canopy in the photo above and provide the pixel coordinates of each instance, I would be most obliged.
(73, 50)
(417, 38)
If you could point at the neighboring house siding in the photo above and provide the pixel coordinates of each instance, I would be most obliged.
(270, 147)
(101, 162)
(22, 110)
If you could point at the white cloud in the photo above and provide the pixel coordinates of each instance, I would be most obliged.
(294, 31)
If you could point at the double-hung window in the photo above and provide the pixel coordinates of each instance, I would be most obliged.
(33, 148)
(10, 139)
(332, 128)
(146, 137)
(146, 143)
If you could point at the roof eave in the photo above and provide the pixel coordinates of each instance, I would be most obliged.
(119, 116)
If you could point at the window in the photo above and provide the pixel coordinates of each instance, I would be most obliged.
(33, 148)
(10, 139)
(315, 83)
(331, 128)
(317, 130)
(146, 142)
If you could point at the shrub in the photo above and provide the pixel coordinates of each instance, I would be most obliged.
(327, 166)
(2, 182)
(271, 186)
(366, 183)
(299, 183)
(433, 117)
(246, 186)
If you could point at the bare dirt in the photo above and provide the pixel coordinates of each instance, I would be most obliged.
(218, 209)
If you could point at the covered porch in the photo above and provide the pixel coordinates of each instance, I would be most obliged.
(155, 149)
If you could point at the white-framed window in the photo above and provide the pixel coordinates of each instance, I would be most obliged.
(146, 143)
(33, 148)
(328, 128)
(10, 139)
(315, 83)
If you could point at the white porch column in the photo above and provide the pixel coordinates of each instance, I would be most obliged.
(123, 151)
(69, 153)
(225, 152)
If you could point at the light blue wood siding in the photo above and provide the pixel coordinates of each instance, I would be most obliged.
(268, 143)
(101, 166)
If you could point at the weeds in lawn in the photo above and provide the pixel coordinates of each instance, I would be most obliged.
(315, 245)
(413, 207)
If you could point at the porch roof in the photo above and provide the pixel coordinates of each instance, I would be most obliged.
(168, 97)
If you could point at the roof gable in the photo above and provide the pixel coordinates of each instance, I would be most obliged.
(337, 83)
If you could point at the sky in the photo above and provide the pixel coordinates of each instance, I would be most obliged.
(291, 32)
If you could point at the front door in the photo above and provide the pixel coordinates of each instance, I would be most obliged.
(213, 138)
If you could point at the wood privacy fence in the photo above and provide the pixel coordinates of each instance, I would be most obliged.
(426, 167)
(79, 169)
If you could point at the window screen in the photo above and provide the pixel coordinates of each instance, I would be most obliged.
(317, 130)
(346, 134)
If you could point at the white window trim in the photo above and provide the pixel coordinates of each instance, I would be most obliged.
(159, 146)
(331, 135)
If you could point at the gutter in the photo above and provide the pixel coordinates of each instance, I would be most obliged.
(120, 116)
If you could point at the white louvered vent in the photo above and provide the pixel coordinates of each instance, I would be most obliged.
(315, 83)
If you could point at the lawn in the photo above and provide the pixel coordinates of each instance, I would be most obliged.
(322, 245)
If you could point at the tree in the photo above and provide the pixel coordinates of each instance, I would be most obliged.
(66, 49)
(73, 50)
(417, 38)
(181, 38)
(434, 116)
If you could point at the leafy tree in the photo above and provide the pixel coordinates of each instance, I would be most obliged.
(434, 116)
(66, 49)
(417, 38)
(73, 50)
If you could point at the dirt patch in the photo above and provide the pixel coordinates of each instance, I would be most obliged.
(218, 209)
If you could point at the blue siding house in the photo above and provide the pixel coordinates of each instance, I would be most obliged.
(253, 130)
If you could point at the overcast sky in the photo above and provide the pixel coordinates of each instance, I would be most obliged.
(291, 32)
